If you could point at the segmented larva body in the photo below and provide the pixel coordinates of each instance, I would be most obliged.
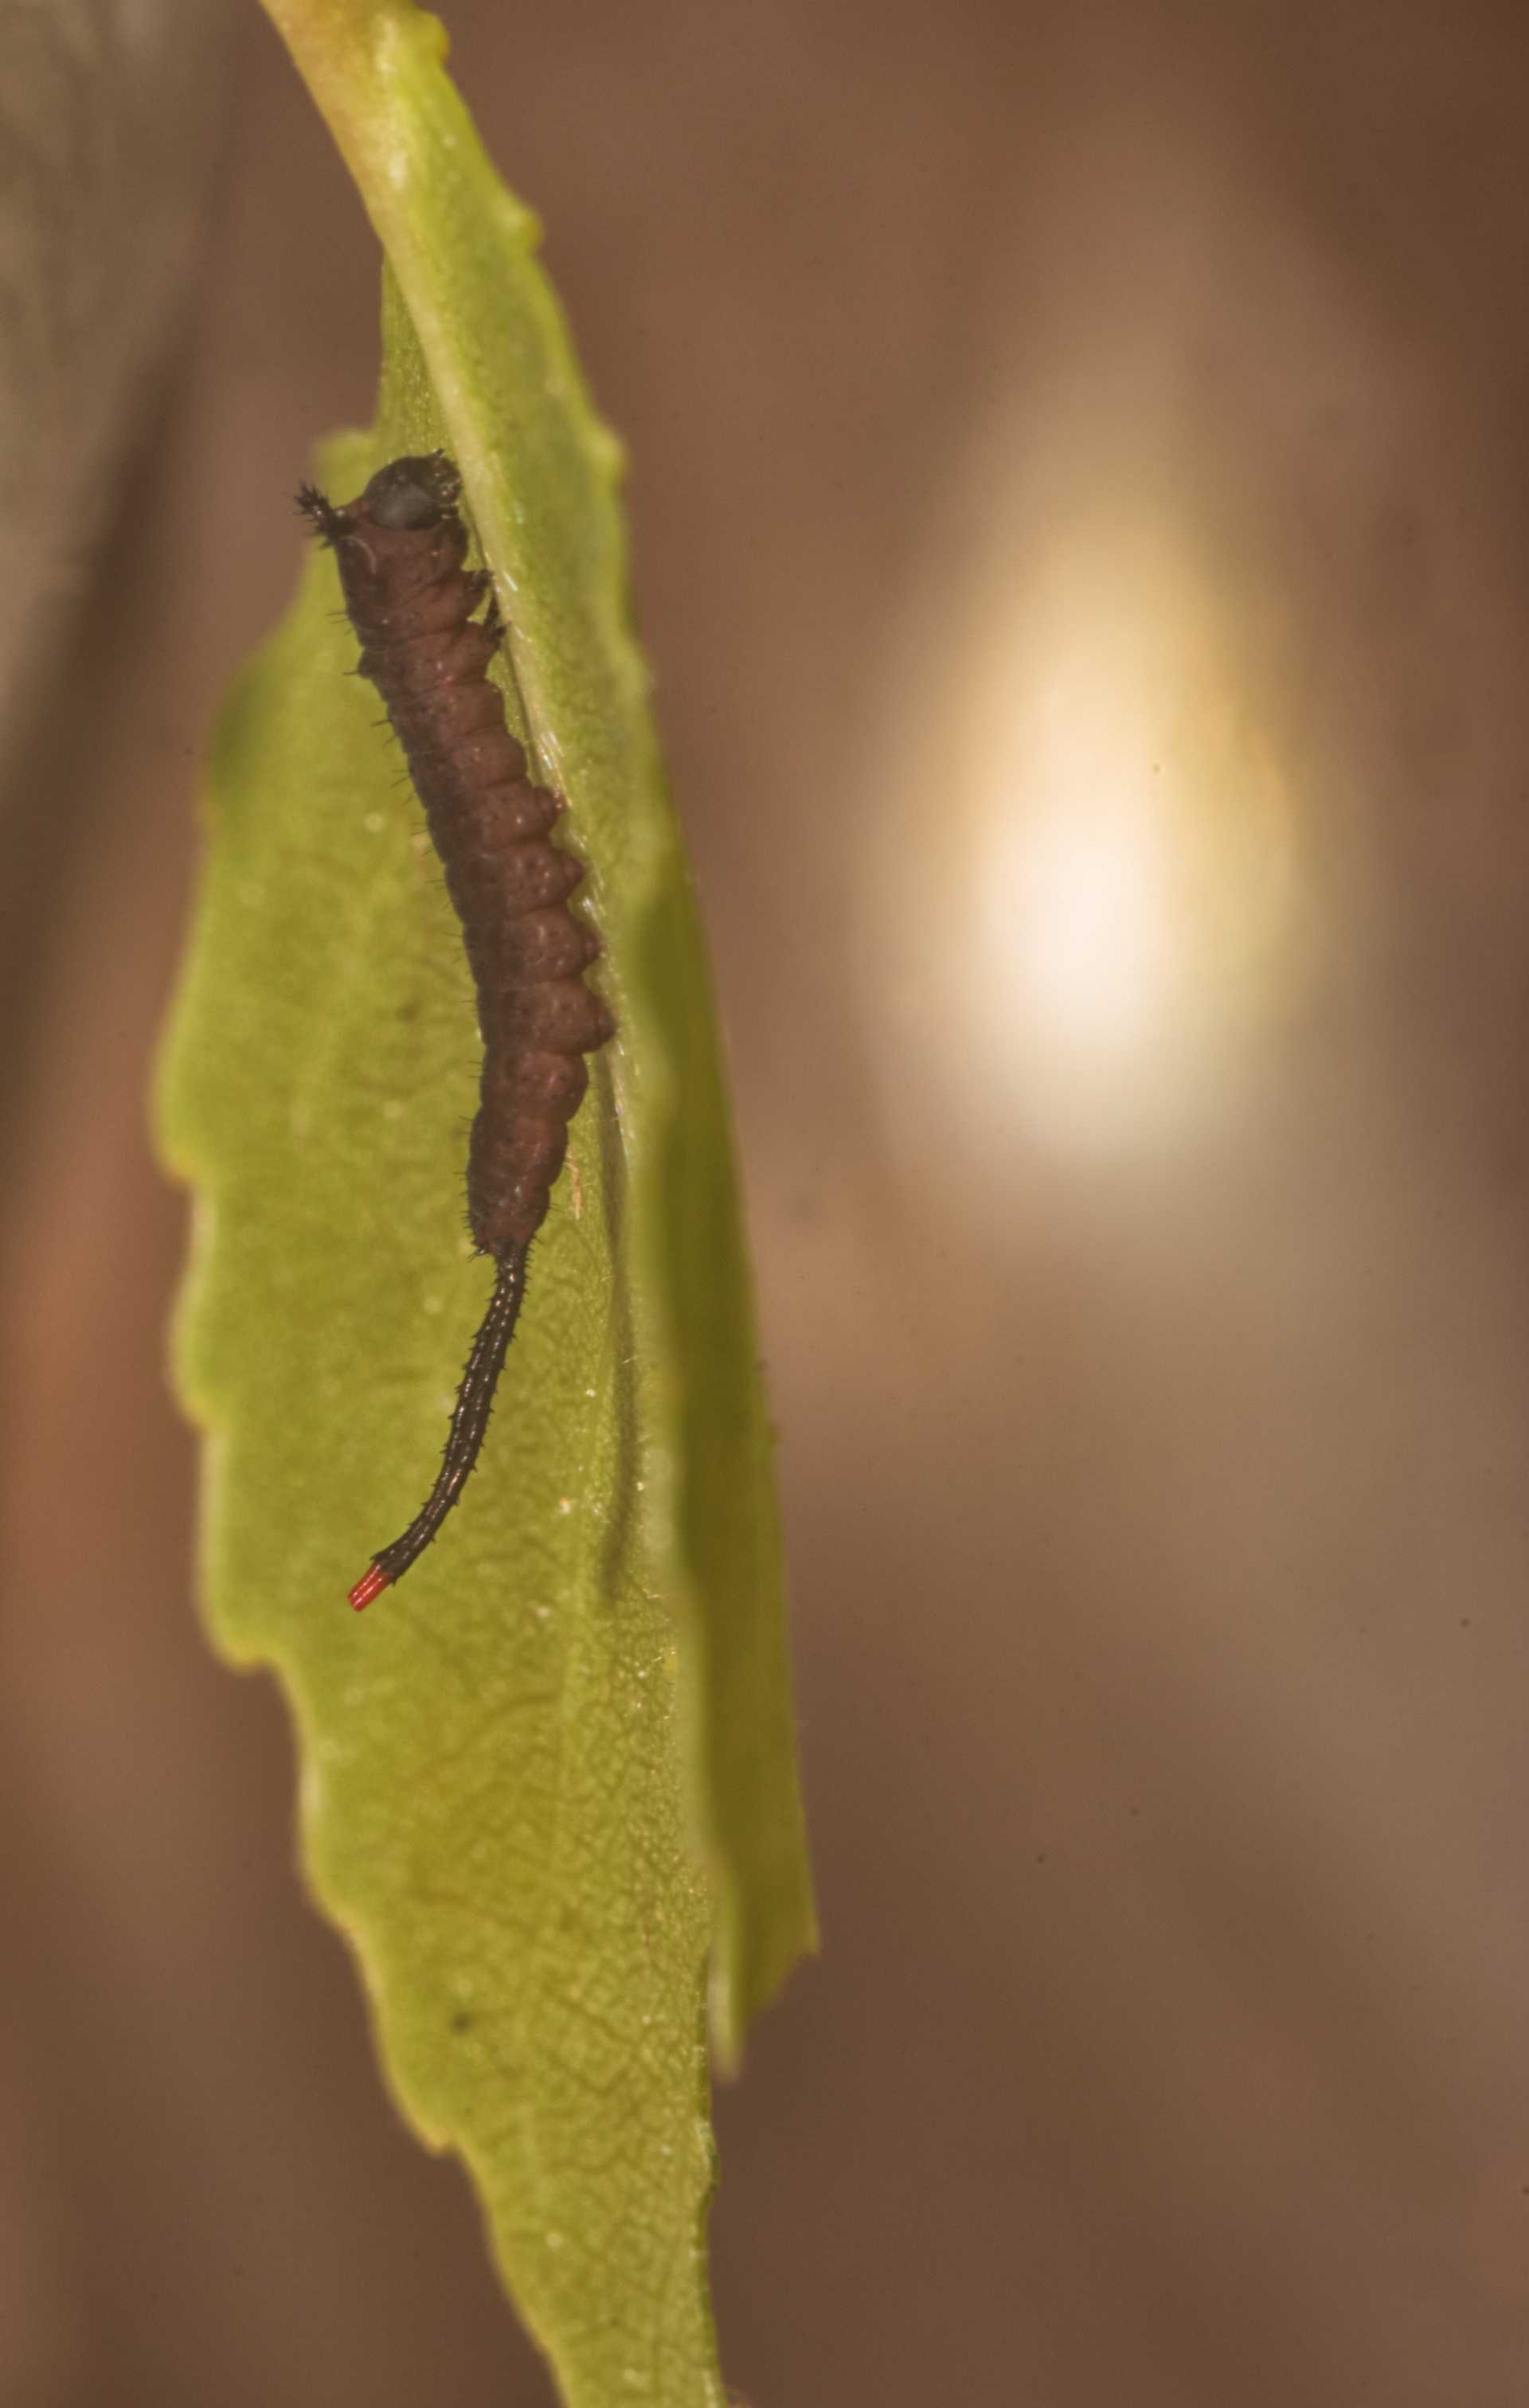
(400, 548)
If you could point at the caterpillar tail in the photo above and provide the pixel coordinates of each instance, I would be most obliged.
(464, 1439)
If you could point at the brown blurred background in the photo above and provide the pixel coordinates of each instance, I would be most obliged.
(1082, 535)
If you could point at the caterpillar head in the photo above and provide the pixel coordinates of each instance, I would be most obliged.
(412, 494)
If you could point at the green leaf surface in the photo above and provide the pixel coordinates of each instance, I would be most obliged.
(548, 1787)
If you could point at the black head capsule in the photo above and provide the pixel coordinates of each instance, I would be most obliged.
(412, 494)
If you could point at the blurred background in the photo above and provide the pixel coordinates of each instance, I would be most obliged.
(1081, 533)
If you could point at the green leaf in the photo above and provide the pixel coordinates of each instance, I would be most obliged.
(547, 1782)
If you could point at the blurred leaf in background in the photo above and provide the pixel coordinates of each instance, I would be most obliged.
(108, 116)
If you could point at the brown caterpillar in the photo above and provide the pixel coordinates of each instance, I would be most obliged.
(400, 548)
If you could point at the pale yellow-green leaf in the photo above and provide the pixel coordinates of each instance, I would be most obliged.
(548, 1782)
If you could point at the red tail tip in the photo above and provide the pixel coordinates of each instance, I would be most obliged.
(372, 1583)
